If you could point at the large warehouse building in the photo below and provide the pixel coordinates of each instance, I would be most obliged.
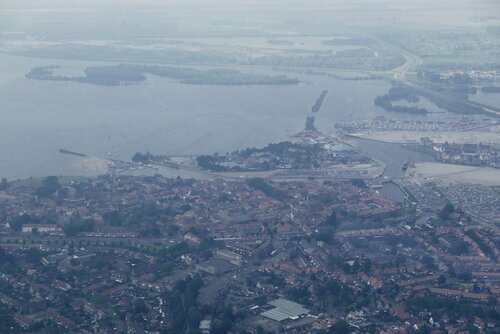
(285, 309)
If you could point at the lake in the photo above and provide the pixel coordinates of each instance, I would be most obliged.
(160, 116)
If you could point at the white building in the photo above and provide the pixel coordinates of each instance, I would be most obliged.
(40, 228)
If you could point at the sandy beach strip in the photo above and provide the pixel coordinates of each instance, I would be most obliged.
(413, 137)
(455, 173)
(95, 165)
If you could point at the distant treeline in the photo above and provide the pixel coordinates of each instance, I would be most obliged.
(142, 157)
(210, 163)
(490, 89)
(356, 78)
(115, 75)
(493, 30)
(400, 93)
(360, 53)
(339, 77)
(279, 42)
(98, 75)
(319, 101)
(410, 110)
(359, 59)
(349, 41)
(411, 95)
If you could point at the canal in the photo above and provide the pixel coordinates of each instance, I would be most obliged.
(394, 156)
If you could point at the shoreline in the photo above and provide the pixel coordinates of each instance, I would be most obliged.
(452, 173)
(408, 138)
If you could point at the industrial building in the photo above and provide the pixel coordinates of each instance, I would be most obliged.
(285, 309)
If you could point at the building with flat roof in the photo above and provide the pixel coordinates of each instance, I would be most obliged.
(215, 266)
(227, 255)
(41, 228)
(285, 309)
(205, 326)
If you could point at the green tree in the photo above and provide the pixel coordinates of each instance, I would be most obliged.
(17, 222)
(194, 316)
(4, 184)
(367, 267)
(332, 220)
(85, 225)
(259, 184)
(358, 183)
(341, 327)
(445, 213)
(140, 157)
(459, 248)
(139, 306)
(48, 187)
(428, 261)
(326, 234)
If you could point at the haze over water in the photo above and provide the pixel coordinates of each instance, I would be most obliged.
(160, 116)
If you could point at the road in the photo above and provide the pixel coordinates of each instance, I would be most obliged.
(412, 62)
